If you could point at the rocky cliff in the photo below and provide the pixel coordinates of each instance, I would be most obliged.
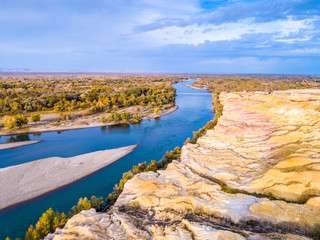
(255, 176)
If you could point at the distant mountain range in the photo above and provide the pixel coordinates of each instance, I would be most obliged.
(16, 70)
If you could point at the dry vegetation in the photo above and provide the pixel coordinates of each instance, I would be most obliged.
(74, 96)
(269, 83)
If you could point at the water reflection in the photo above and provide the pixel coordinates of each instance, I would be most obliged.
(18, 138)
(119, 125)
(37, 134)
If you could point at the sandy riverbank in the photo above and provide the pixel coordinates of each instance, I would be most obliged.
(203, 88)
(29, 180)
(4, 146)
(48, 122)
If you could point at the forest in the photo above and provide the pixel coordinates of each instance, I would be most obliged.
(32, 96)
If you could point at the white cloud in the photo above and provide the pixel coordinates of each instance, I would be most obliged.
(305, 51)
(195, 34)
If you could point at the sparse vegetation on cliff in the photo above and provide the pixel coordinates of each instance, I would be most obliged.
(143, 167)
(51, 220)
(217, 109)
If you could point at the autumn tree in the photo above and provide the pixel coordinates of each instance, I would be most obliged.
(157, 110)
(35, 117)
(97, 203)
(103, 119)
(14, 121)
(83, 204)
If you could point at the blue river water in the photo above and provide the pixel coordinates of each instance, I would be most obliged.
(154, 137)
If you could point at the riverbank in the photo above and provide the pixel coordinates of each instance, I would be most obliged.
(202, 88)
(254, 176)
(29, 180)
(78, 121)
(4, 146)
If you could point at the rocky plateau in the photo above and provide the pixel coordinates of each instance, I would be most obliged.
(256, 175)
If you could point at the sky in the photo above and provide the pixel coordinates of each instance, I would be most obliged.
(169, 36)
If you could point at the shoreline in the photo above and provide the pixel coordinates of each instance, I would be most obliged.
(197, 88)
(4, 146)
(27, 181)
(77, 127)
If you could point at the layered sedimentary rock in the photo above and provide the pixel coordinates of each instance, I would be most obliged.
(255, 176)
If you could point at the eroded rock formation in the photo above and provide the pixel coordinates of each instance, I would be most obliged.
(255, 176)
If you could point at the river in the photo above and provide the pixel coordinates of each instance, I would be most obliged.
(154, 137)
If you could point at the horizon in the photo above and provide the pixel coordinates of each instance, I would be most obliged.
(195, 36)
(32, 72)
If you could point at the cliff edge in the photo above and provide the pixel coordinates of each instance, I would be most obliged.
(255, 176)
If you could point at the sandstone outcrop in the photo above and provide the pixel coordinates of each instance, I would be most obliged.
(255, 176)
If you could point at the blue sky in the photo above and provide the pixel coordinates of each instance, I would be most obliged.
(182, 36)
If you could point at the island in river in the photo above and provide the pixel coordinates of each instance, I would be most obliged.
(153, 136)
(9, 145)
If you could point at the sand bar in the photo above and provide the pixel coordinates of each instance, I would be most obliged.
(29, 180)
(4, 146)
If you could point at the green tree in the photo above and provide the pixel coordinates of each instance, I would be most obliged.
(30, 234)
(110, 117)
(152, 166)
(9, 122)
(14, 121)
(116, 117)
(21, 120)
(97, 203)
(157, 110)
(103, 119)
(35, 117)
(125, 115)
(63, 116)
(45, 224)
(83, 204)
